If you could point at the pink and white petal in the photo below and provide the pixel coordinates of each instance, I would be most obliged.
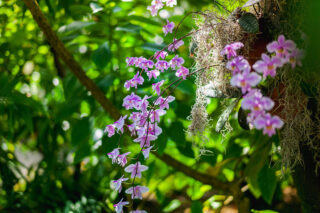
(269, 132)
(143, 168)
(272, 47)
(130, 168)
(130, 190)
(267, 103)
(247, 103)
(276, 60)
(260, 122)
(236, 45)
(235, 80)
(143, 189)
(253, 79)
(276, 122)
(289, 45)
(265, 57)
(281, 39)
(260, 66)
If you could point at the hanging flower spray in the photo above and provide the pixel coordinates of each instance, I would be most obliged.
(146, 112)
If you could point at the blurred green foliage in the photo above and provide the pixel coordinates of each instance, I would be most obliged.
(53, 149)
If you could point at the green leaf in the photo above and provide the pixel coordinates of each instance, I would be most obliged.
(267, 182)
(225, 115)
(144, 20)
(161, 143)
(174, 204)
(263, 211)
(102, 56)
(249, 23)
(95, 7)
(80, 132)
(105, 83)
(254, 186)
(186, 87)
(152, 47)
(131, 28)
(196, 207)
(27, 116)
(77, 25)
(66, 109)
(176, 133)
(258, 159)
(186, 150)
(233, 149)
(7, 85)
(210, 156)
(82, 151)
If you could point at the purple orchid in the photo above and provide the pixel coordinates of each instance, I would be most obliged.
(145, 140)
(294, 57)
(281, 47)
(175, 45)
(164, 102)
(171, 3)
(238, 64)
(168, 28)
(132, 129)
(176, 62)
(153, 9)
(110, 129)
(155, 115)
(122, 159)
(131, 61)
(161, 55)
(138, 211)
(114, 155)
(156, 87)
(268, 123)
(119, 123)
(182, 72)
(162, 65)
(117, 184)
(230, 49)
(146, 152)
(131, 101)
(144, 103)
(245, 81)
(153, 129)
(136, 191)
(119, 206)
(267, 65)
(136, 169)
(138, 62)
(146, 64)
(153, 73)
(134, 82)
(257, 103)
(158, 4)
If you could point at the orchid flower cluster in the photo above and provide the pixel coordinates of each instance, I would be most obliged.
(156, 5)
(281, 52)
(145, 116)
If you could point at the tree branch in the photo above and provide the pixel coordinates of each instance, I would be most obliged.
(68, 59)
